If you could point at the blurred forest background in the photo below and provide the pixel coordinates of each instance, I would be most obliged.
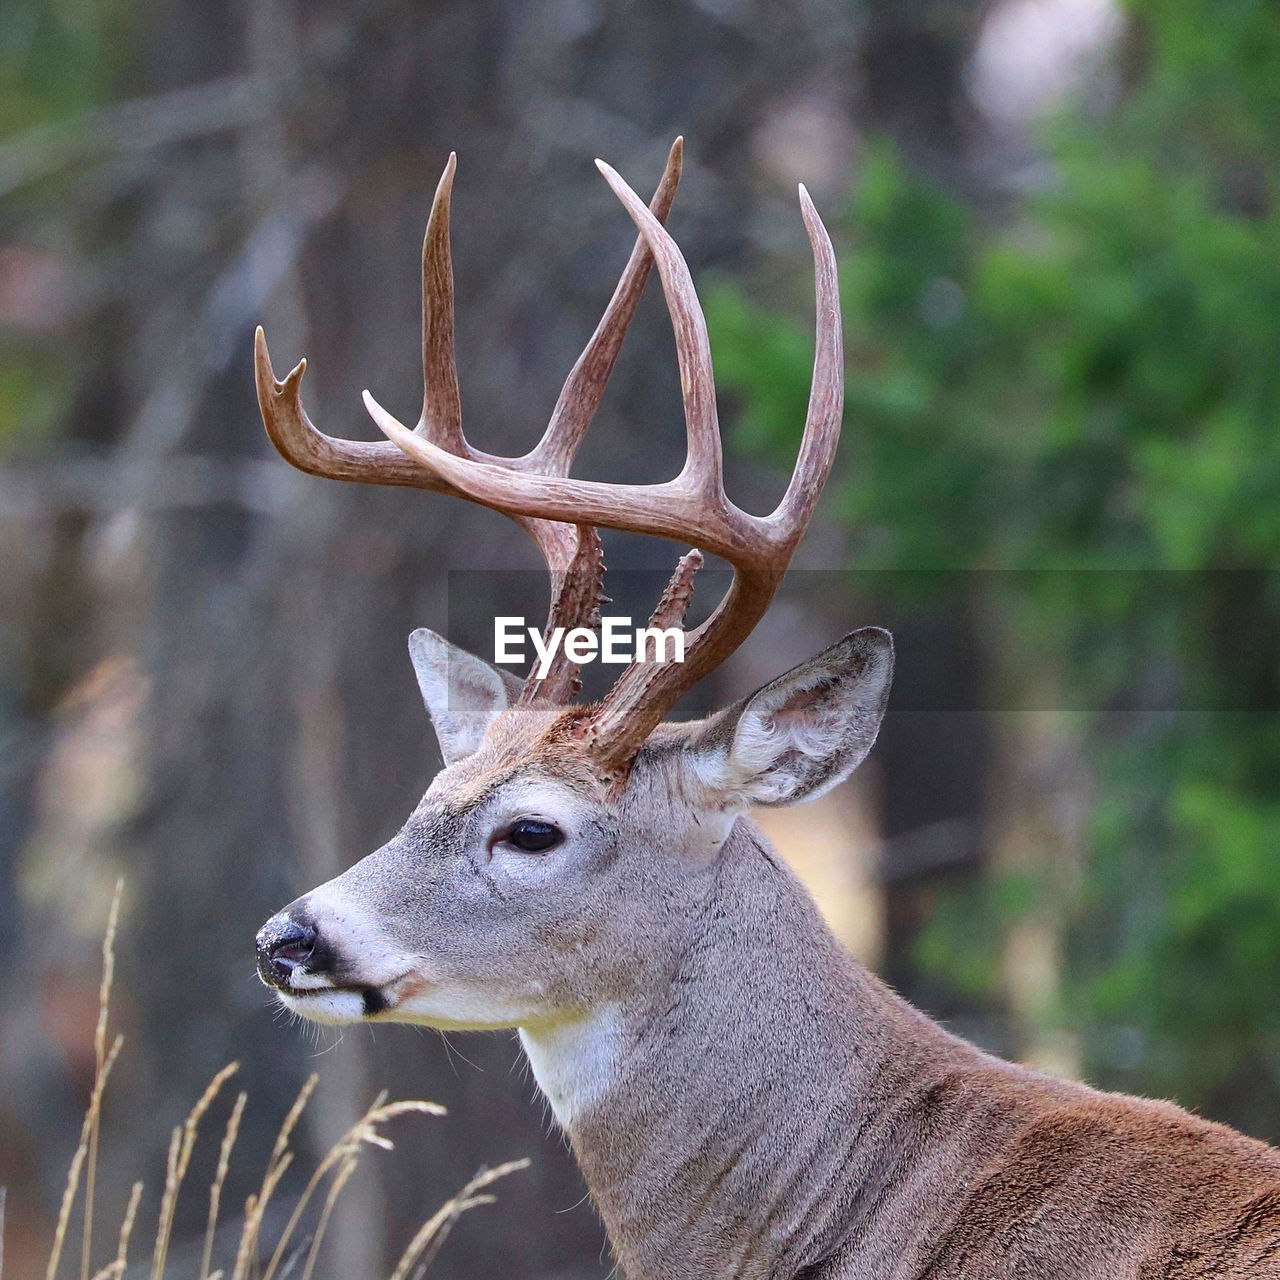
(1060, 245)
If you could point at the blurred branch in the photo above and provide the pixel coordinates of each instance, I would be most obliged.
(237, 297)
(104, 486)
(143, 123)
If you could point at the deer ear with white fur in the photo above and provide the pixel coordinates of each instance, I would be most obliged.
(802, 733)
(463, 693)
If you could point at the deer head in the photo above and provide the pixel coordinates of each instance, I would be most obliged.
(557, 863)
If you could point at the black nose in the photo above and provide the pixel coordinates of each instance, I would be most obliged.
(284, 944)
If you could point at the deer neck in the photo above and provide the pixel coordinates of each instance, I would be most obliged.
(758, 1076)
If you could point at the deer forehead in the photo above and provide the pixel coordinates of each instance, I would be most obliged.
(531, 762)
(524, 750)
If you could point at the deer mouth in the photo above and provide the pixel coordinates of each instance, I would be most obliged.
(334, 1003)
(305, 992)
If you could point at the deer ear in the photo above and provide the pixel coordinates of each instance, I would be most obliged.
(803, 732)
(463, 693)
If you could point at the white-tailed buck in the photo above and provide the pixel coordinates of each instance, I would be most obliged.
(743, 1097)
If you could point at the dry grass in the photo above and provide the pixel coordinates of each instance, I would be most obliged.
(335, 1168)
(433, 1231)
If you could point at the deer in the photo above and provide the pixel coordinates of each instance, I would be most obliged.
(743, 1097)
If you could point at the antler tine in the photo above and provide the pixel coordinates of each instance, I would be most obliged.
(826, 393)
(441, 419)
(377, 462)
(580, 397)
(310, 450)
(702, 467)
(617, 728)
(577, 593)
(578, 585)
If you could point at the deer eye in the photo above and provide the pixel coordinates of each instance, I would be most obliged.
(531, 836)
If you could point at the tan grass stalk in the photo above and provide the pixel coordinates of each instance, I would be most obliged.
(166, 1202)
(126, 1227)
(291, 1119)
(180, 1161)
(215, 1189)
(468, 1198)
(99, 1057)
(115, 1269)
(343, 1157)
(276, 1165)
(340, 1180)
(363, 1131)
(255, 1210)
(77, 1160)
(246, 1239)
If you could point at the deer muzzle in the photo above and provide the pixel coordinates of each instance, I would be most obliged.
(321, 966)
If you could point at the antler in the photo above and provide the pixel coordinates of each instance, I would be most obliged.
(693, 507)
(536, 490)
(571, 548)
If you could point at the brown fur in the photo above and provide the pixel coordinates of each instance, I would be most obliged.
(856, 1140)
(1122, 1183)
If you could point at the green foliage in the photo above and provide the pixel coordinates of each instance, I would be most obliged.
(57, 57)
(59, 60)
(1094, 385)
